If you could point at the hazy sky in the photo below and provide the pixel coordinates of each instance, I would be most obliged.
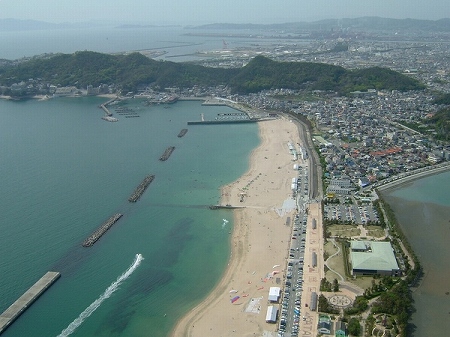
(232, 11)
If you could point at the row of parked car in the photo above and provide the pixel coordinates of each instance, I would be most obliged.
(293, 286)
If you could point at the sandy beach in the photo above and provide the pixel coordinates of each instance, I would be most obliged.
(260, 242)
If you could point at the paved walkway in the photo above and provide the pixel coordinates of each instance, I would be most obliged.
(326, 262)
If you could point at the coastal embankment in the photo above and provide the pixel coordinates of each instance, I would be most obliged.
(408, 177)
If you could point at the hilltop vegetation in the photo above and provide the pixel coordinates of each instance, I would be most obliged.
(443, 99)
(441, 120)
(441, 123)
(128, 72)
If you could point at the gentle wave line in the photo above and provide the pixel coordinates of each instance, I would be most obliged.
(108, 292)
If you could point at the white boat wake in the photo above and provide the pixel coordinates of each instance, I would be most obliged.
(108, 292)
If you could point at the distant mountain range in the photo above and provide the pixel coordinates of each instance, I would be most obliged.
(14, 25)
(363, 23)
(21, 25)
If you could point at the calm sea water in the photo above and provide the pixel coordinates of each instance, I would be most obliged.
(172, 40)
(423, 210)
(64, 171)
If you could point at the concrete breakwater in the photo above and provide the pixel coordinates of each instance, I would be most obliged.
(224, 121)
(24, 301)
(167, 153)
(213, 207)
(108, 115)
(141, 188)
(101, 230)
(105, 109)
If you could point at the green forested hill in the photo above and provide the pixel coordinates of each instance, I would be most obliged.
(130, 71)
(441, 123)
(443, 99)
(263, 73)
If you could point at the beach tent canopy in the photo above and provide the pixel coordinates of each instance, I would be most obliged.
(271, 316)
(274, 294)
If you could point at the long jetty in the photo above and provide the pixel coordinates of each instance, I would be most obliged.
(213, 207)
(141, 188)
(24, 301)
(167, 153)
(105, 109)
(101, 230)
(224, 121)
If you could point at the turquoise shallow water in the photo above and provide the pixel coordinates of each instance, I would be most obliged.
(423, 211)
(64, 171)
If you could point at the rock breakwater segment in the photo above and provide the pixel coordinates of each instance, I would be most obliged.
(101, 230)
(167, 153)
(141, 188)
(182, 133)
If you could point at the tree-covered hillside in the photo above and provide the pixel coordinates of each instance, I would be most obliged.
(128, 72)
(443, 99)
(441, 123)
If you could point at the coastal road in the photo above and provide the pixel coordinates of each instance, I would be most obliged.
(315, 170)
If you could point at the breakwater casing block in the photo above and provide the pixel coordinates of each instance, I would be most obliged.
(167, 153)
(182, 133)
(100, 231)
(141, 188)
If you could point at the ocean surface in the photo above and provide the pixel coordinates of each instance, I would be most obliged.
(423, 211)
(64, 171)
(178, 43)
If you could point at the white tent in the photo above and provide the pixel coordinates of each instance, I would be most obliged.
(271, 316)
(274, 294)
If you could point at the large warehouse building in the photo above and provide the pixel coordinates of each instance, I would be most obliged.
(373, 257)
